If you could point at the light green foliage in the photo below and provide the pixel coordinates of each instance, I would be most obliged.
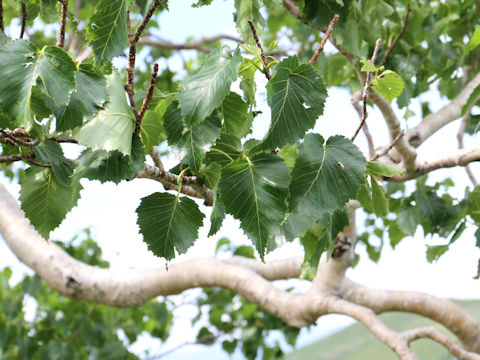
(248, 10)
(204, 91)
(22, 65)
(112, 128)
(168, 223)
(107, 30)
(388, 84)
(238, 120)
(46, 200)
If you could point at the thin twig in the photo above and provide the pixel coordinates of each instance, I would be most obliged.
(365, 90)
(132, 53)
(17, 157)
(156, 158)
(389, 147)
(316, 54)
(147, 100)
(24, 19)
(355, 102)
(63, 22)
(18, 139)
(2, 26)
(397, 38)
(262, 52)
(461, 132)
(194, 45)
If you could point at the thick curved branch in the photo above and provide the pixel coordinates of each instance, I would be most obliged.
(432, 333)
(461, 157)
(405, 150)
(435, 121)
(447, 313)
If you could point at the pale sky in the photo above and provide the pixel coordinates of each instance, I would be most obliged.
(110, 209)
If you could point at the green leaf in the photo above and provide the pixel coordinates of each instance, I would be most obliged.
(85, 101)
(434, 252)
(296, 95)
(226, 149)
(45, 200)
(320, 12)
(210, 175)
(112, 128)
(194, 140)
(107, 30)
(152, 124)
(367, 66)
(204, 91)
(315, 243)
(236, 116)
(389, 85)
(289, 154)
(216, 218)
(471, 99)
(474, 40)
(51, 152)
(395, 234)
(22, 66)
(379, 199)
(248, 10)
(382, 169)
(326, 175)
(408, 220)
(111, 165)
(254, 191)
(168, 223)
(334, 222)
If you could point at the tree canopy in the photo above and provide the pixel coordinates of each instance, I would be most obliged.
(68, 86)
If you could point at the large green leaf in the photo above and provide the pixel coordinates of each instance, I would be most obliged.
(296, 95)
(51, 152)
(325, 175)
(254, 191)
(169, 223)
(45, 200)
(22, 64)
(107, 31)
(111, 165)
(112, 128)
(204, 91)
(85, 101)
(194, 140)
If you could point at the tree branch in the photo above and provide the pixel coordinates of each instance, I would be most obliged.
(406, 151)
(319, 50)
(435, 121)
(386, 150)
(2, 26)
(147, 100)
(24, 20)
(262, 52)
(447, 313)
(194, 45)
(434, 334)
(17, 157)
(132, 54)
(461, 132)
(194, 187)
(365, 90)
(63, 22)
(462, 157)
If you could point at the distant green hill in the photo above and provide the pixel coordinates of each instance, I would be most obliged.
(356, 343)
